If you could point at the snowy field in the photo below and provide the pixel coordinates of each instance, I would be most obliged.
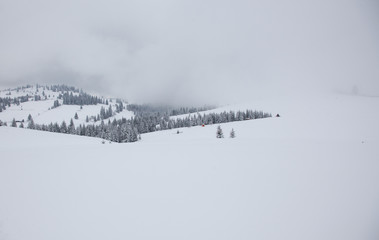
(313, 173)
(43, 113)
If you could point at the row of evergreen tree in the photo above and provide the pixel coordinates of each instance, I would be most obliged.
(106, 113)
(81, 99)
(141, 109)
(150, 122)
(62, 88)
(129, 130)
(116, 131)
(7, 101)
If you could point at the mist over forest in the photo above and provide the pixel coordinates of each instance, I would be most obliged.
(189, 52)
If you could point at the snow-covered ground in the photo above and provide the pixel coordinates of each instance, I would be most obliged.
(43, 113)
(313, 173)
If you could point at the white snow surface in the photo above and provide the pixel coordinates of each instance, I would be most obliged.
(313, 173)
(43, 113)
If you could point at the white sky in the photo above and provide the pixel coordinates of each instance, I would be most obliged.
(208, 50)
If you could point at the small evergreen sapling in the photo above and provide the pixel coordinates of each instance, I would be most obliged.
(219, 133)
(14, 124)
(232, 134)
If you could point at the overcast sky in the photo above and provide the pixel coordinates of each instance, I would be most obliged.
(175, 50)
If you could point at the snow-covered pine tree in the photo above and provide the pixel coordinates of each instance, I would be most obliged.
(71, 127)
(219, 133)
(232, 134)
(21, 125)
(31, 124)
(76, 116)
(56, 104)
(14, 124)
(63, 128)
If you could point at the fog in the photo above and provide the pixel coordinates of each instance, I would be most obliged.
(192, 51)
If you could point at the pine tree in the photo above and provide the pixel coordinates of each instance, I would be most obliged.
(232, 134)
(76, 116)
(29, 117)
(219, 133)
(21, 125)
(31, 124)
(14, 124)
(63, 128)
(71, 127)
(56, 104)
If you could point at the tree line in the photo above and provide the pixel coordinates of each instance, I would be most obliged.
(129, 130)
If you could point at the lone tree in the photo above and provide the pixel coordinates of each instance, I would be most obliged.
(14, 124)
(76, 116)
(232, 134)
(219, 133)
(31, 124)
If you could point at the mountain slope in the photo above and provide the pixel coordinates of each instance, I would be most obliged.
(310, 174)
(43, 112)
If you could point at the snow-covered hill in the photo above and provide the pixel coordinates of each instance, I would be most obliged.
(310, 174)
(43, 112)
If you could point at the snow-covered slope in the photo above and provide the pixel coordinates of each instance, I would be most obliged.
(42, 111)
(311, 174)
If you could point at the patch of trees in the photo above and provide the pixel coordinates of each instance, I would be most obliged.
(7, 101)
(115, 131)
(106, 113)
(150, 122)
(167, 110)
(129, 130)
(62, 88)
(56, 104)
(81, 99)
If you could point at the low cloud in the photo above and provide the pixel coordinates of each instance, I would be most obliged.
(198, 51)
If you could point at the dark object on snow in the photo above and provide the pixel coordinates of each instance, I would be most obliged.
(277, 115)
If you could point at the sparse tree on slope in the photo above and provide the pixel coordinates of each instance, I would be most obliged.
(14, 124)
(219, 133)
(232, 134)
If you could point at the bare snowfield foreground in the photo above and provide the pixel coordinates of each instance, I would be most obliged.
(311, 174)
